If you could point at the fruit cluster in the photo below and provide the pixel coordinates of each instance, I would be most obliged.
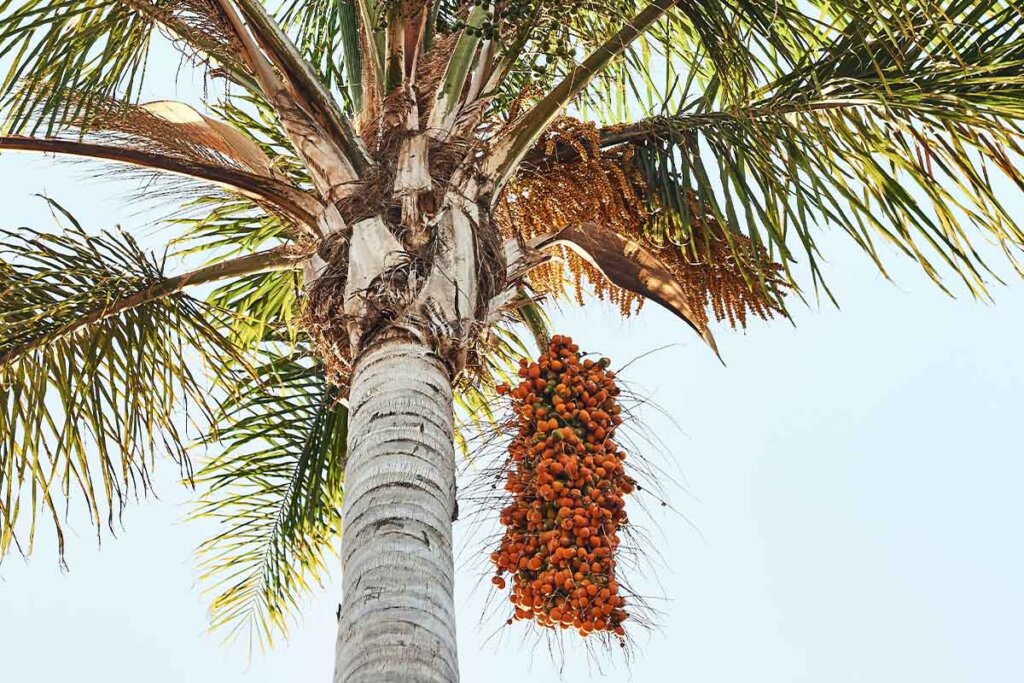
(566, 477)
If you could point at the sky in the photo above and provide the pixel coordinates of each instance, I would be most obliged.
(845, 504)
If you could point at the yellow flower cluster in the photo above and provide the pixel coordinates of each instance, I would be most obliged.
(576, 182)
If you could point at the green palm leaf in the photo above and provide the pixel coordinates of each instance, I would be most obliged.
(94, 371)
(275, 492)
(895, 136)
(326, 33)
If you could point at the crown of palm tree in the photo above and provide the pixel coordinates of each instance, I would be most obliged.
(711, 143)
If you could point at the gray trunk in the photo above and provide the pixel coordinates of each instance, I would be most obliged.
(397, 618)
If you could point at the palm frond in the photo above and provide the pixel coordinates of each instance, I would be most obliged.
(896, 130)
(260, 305)
(275, 491)
(326, 33)
(217, 227)
(725, 45)
(890, 135)
(512, 144)
(96, 50)
(97, 359)
(305, 84)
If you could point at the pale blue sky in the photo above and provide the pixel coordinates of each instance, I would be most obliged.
(849, 490)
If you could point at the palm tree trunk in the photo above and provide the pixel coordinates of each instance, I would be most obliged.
(397, 618)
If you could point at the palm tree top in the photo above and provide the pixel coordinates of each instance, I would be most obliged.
(709, 143)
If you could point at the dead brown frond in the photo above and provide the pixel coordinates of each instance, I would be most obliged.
(177, 130)
(154, 139)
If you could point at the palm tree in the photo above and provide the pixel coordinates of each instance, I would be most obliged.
(392, 189)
